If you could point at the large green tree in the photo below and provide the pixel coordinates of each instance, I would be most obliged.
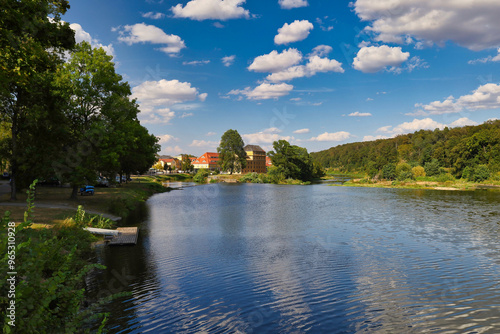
(293, 161)
(232, 156)
(32, 39)
(91, 87)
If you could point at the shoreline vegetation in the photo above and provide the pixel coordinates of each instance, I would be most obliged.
(441, 182)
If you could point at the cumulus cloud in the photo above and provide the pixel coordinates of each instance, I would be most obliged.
(301, 131)
(168, 150)
(469, 23)
(372, 59)
(264, 91)
(228, 60)
(266, 136)
(321, 51)
(275, 62)
(156, 97)
(153, 15)
(211, 133)
(335, 136)
(144, 33)
(222, 10)
(484, 97)
(289, 4)
(359, 114)
(420, 124)
(293, 32)
(81, 35)
(166, 138)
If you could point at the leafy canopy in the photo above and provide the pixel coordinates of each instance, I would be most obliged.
(232, 156)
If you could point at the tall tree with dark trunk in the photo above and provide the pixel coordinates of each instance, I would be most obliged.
(232, 156)
(32, 37)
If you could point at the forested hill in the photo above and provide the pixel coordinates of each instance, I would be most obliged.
(460, 149)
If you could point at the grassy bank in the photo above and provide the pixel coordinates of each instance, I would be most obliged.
(118, 201)
(423, 183)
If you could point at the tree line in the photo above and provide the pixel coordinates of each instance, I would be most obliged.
(470, 152)
(65, 112)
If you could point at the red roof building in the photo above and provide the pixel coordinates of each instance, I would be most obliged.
(209, 160)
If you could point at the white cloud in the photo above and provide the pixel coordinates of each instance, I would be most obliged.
(289, 4)
(264, 91)
(186, 114)
(144, 33)
(211, 133)
(228, 60)
(469, 23)
(359, 114)
(275, 62)
(171, 150)
(211, 10)
(155, 98)
(416, 125)
(321, 51)
(376, 58)
(484, 97)
(464, 121)
(153, 15)
(204, 143)
(487, 59)
(336, 136)
(301, 131)
(266, 136)
(166, 138)
(293, 32)
(81, 35)
(196, 62)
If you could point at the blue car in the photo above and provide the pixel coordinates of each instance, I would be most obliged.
(87, 190)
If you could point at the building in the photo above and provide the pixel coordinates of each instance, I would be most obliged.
(173, 163)
(269, 163)
(256, 160)
(209, 160)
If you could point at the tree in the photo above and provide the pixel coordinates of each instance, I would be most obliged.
(186, 164)
(232, 156)
(32, 39)
(90, 84)
(291, 161)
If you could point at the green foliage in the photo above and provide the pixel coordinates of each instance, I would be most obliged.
(389, 172)
(255, 178)
(201, 176)
(458, 150)
(292, 162)
(186, 164)
(232, 156)
(481, 173)
(418, 171)
(445, 177)
(432, 168)
(403, 171)
(50, 266)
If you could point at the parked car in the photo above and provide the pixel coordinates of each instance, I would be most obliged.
(87, 190)
(102, 182)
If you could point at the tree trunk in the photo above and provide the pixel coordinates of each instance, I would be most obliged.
(74, 193)
(13, 161)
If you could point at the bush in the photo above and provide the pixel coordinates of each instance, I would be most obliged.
(418, 171)
(201, 176)
(403, 171)
(405, 176)
(467, 173)
(389, 172)
(481, 173)
(445, 177)
(432, 168)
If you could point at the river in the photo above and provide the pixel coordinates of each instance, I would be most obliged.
(258, 258)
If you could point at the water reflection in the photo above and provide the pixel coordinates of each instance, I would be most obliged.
(265, 258)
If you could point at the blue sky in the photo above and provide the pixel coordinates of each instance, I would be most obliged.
(316, 73)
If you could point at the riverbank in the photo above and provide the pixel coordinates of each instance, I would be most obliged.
(421, 184)
(53, 205)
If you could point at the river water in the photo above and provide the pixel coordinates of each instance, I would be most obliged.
(258, 258)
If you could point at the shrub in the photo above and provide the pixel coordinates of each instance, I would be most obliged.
(405, 176)
(432, 168)
(481, 173)
(389, 172)
(467, 173)
(445, 177)
(418, 171)
(201, 176)
(403, 171)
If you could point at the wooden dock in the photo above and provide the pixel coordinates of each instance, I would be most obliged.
(126, 236)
